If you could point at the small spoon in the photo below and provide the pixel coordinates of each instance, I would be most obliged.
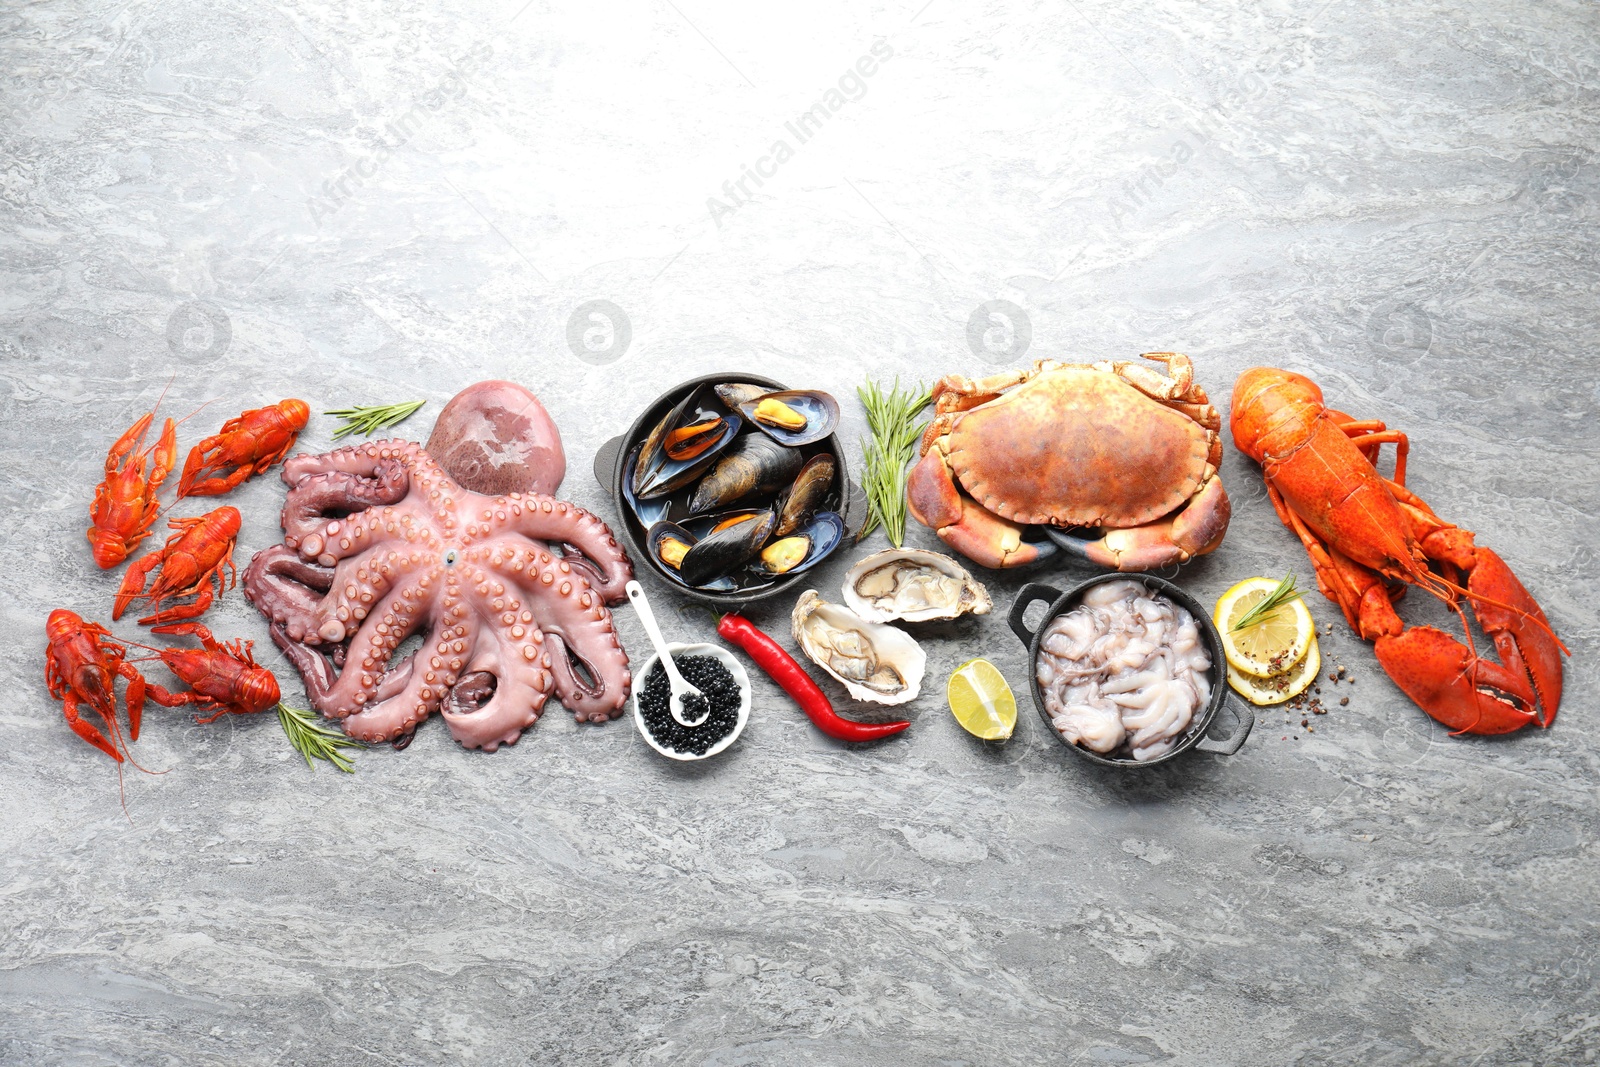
(681, 689)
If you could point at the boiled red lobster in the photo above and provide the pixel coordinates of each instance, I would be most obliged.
(1369, 537)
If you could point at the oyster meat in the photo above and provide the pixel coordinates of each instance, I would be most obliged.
(874, 662)
(913, 585)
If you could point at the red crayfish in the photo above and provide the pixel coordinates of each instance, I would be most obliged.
(125, 503)
(249, 444)
(1369, 537)
(192, 560)
(82, 664)
(223, 678)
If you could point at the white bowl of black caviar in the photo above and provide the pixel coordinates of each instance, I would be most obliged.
(723, 681)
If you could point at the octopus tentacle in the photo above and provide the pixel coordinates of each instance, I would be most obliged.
(381, 543)
(366, 660)
(359, 459)
(590, 667)
(421, 695)
(501, 695)
(354, 591)
(287, 589)
(547, 519)
(318, 499)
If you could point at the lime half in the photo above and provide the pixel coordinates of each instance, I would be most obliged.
(981, 701)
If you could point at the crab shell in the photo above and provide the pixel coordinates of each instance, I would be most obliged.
(1076, 446)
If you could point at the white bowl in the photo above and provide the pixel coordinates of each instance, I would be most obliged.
(735, 668)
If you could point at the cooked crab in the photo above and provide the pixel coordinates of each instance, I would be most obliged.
(1115, 446)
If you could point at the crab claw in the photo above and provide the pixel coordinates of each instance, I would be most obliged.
(1194, 531)
(1467, 694)
(979, 534)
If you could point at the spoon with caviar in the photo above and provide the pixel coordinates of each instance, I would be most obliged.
(685, 700)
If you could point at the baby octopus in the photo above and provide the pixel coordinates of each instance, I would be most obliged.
(508, 592)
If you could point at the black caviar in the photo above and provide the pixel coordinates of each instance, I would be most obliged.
(705, 673)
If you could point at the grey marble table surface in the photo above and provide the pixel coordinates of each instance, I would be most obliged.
(361, 203)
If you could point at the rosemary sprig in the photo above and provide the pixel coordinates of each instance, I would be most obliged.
(1274, 600)
(314, 740)
(892, 418)
(369, 420)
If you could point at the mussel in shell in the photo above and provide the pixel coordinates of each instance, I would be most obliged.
(670, 545)
(682, 445)
(752, 464)
(804, 549)
(648, 512)
(735, 393)
(808, 494)
(721, 551)
(776, 415)
(691, 441)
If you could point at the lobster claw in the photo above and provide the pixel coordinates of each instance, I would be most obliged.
(1522, 635)
(1467, 694)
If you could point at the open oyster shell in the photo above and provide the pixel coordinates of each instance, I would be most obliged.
(874, 662)
(912, 585)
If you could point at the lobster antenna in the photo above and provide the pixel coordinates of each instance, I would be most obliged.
(1478, 598)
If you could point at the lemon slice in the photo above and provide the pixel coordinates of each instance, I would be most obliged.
(981, 700)
(1276, 644)
(1279, 687)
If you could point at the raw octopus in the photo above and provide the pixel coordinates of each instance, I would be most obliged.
(509, 593)
(1124, 671)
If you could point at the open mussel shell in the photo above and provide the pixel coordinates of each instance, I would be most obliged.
(811, 489)
(697, 430)
(719, 553)
(670, 545)
(803, 549)
(735, 393)
(648, 512)
(751, 465)
(819, 410)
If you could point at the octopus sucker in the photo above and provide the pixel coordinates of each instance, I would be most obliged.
(380, 544)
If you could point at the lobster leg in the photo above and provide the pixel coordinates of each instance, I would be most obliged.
(1467, 694)
(1527, 647)
(1507, 612)
(135, 697)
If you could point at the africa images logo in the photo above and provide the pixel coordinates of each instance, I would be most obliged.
(852, 86)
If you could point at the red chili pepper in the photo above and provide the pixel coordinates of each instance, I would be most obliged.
(792, 678)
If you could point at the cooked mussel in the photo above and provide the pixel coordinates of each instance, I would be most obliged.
(752, 464)
(776, 415)
(721, 551)
(670, 545)
(691, 441)
(682, 445)
(811, 489)
(804, 549)
(648, 512)
(735, 393)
